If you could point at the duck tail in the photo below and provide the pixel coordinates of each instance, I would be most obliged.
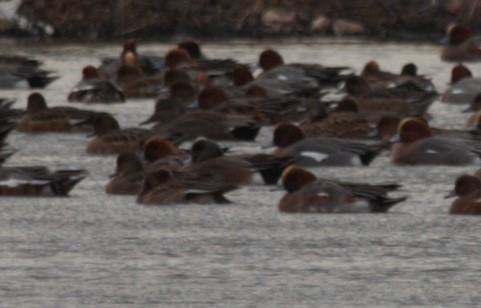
(387, 203)
(65, 181)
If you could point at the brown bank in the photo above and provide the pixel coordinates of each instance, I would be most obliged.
(410, 19)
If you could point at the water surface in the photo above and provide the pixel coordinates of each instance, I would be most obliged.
(98, 250)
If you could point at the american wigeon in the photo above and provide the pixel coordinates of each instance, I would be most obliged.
(38, 181)
(92, 89)
(403, 98)
(417, 145)
(192, 47)
(128, 177)
(40, 118)
(269, 166)
(267, 110)
(18, 72)
(6, 127)
(474, 107)
(7, 113)
(308, 194)
(5, 152)
(344, 121)
(111, 139)
(175, 57)
(274, 67)
(459, 72)
(162, 187)
(165, 111)
(210, 124)
(174, 76)
(159, 153)
(468, 190)
(135, 84)
(149, 64)
(464, 87)
(461, 45)
(291, 141)
(379, 79)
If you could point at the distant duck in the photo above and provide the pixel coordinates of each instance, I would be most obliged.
(307, 194)
(461, 44)
(17, 72)
(93, 89)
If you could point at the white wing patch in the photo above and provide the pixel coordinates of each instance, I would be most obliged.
(18, 182)
(317, 156)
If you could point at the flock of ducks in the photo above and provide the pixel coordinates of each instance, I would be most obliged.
(204, 100)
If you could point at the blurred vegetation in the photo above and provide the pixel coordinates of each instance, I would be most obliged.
(92, 19)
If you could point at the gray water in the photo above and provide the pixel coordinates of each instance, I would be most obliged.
(98, 250)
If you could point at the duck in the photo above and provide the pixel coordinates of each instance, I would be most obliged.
(40, 118)
(305, 193)
(269, 111)
(405, 98)
(17, 72)
(135, 84)
(159, 153)
(111, 139)
(319, 151)
(207, 152)
(416, 145)
(128, 176)
(6, 151)
(7, 113)
(464, 87)
(38, 181)
(210, 124)
(165, 111)
(163, 187)
(467, 188)
(344, 121)
(150, 65)
(461, 44)
(93, 89)
(216, 71)
(379, 79)
(273, 67)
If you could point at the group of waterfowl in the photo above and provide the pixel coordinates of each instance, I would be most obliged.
(201, 100)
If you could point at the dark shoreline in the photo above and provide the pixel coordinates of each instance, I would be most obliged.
(399, 20)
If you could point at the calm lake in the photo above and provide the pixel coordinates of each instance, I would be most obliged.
(98, 250)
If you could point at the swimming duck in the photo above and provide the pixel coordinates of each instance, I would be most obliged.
(210, 124)
(464, 87)
(38, 181)
(269, 166)
(274, 67)
(416, 144)
(162, 187)
(128, 177)
(18, 72)
(92, 89)
(468, 190)
(308, 194)
(111, 139)
(405, 98)
(291, 141)
(40, 118)
(461, 45)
